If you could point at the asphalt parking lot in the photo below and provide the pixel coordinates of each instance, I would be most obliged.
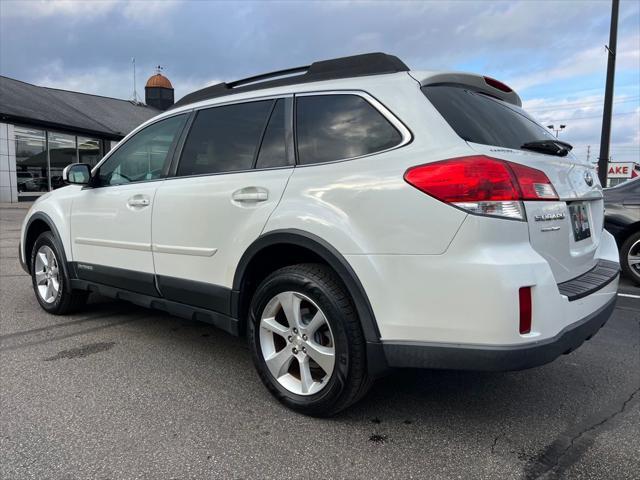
(121, 392)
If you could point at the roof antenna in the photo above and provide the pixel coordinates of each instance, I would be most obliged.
(135, 92)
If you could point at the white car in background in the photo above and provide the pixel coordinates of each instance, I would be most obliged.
(347, 217)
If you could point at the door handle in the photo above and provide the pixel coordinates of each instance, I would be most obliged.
(250, 195)
(139, 201)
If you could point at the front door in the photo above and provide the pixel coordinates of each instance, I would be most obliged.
(111, 222)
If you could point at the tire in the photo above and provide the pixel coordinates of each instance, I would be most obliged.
(48, 269)
(631, 248)
(322, 296)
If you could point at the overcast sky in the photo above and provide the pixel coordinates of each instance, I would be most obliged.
(551, 52)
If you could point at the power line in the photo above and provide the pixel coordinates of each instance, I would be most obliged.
(592, 116)
(600, 89)
(572, 106)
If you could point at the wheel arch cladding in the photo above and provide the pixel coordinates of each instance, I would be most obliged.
(38, 223)
(281, 248)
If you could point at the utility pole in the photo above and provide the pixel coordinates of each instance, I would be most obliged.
(588, 153)
(605, 138)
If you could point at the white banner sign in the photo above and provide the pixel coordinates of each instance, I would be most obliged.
(620, 170)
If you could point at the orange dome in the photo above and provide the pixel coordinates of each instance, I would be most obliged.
(158, 80)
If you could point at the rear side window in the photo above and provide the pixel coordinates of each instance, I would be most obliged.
(336, 127)
(224, 139)
(478, 118)
(273, 150)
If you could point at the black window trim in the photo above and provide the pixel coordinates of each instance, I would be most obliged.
(287, 97)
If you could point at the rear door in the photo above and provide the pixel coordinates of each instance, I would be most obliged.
(565, 232)
(231, 174)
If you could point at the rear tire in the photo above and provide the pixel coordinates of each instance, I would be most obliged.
(630, 252)
(326, 324)
(50, 278)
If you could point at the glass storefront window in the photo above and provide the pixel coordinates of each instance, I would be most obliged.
(38, 170)
(31, 161)
(89, 150)
(62, 152)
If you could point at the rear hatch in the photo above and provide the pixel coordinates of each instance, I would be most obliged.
(566, 231)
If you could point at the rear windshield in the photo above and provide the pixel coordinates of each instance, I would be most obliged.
(479, 118)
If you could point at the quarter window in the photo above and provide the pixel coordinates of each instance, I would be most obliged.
(224, 139)
(144, 156)
(336, 127)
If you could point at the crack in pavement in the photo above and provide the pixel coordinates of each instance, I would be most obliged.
(550, 464)
(495, 442)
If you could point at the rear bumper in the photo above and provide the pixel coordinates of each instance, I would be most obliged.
(497, 358)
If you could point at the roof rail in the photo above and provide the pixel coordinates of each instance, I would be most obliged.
(344, 67)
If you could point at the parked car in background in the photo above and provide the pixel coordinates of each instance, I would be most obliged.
(351, 218)
(27, 182)
(622, 219)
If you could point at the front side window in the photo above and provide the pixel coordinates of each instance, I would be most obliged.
(144, 156)
(224, 139)
(337, 127)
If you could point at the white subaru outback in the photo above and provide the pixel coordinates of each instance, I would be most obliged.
(347, 217)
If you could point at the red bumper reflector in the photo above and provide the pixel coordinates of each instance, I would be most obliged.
(525, 309)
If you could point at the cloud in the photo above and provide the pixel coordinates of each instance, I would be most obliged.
(111, 83)
(138, 11)
(551, 52)
(149, 11)
(36, 9)
(583, 62)
(582, 116)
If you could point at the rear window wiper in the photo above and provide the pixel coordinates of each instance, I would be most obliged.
(551, 147)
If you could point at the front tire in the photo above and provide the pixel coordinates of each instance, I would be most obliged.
(306, 340)
(630, 257)
(50, 278)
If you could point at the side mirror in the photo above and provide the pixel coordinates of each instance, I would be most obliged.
(77, 174)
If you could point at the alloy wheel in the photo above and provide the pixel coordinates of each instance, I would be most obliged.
(297, 343)
(47, 274)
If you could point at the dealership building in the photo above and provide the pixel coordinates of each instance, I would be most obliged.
(42, 130)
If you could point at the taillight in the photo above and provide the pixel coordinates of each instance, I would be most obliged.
(497, 84)
(524, 295)
(482, 185)
(534, 184)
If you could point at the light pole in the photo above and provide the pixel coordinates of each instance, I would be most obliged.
(557, 130)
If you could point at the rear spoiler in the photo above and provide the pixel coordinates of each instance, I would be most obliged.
(487, 85)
